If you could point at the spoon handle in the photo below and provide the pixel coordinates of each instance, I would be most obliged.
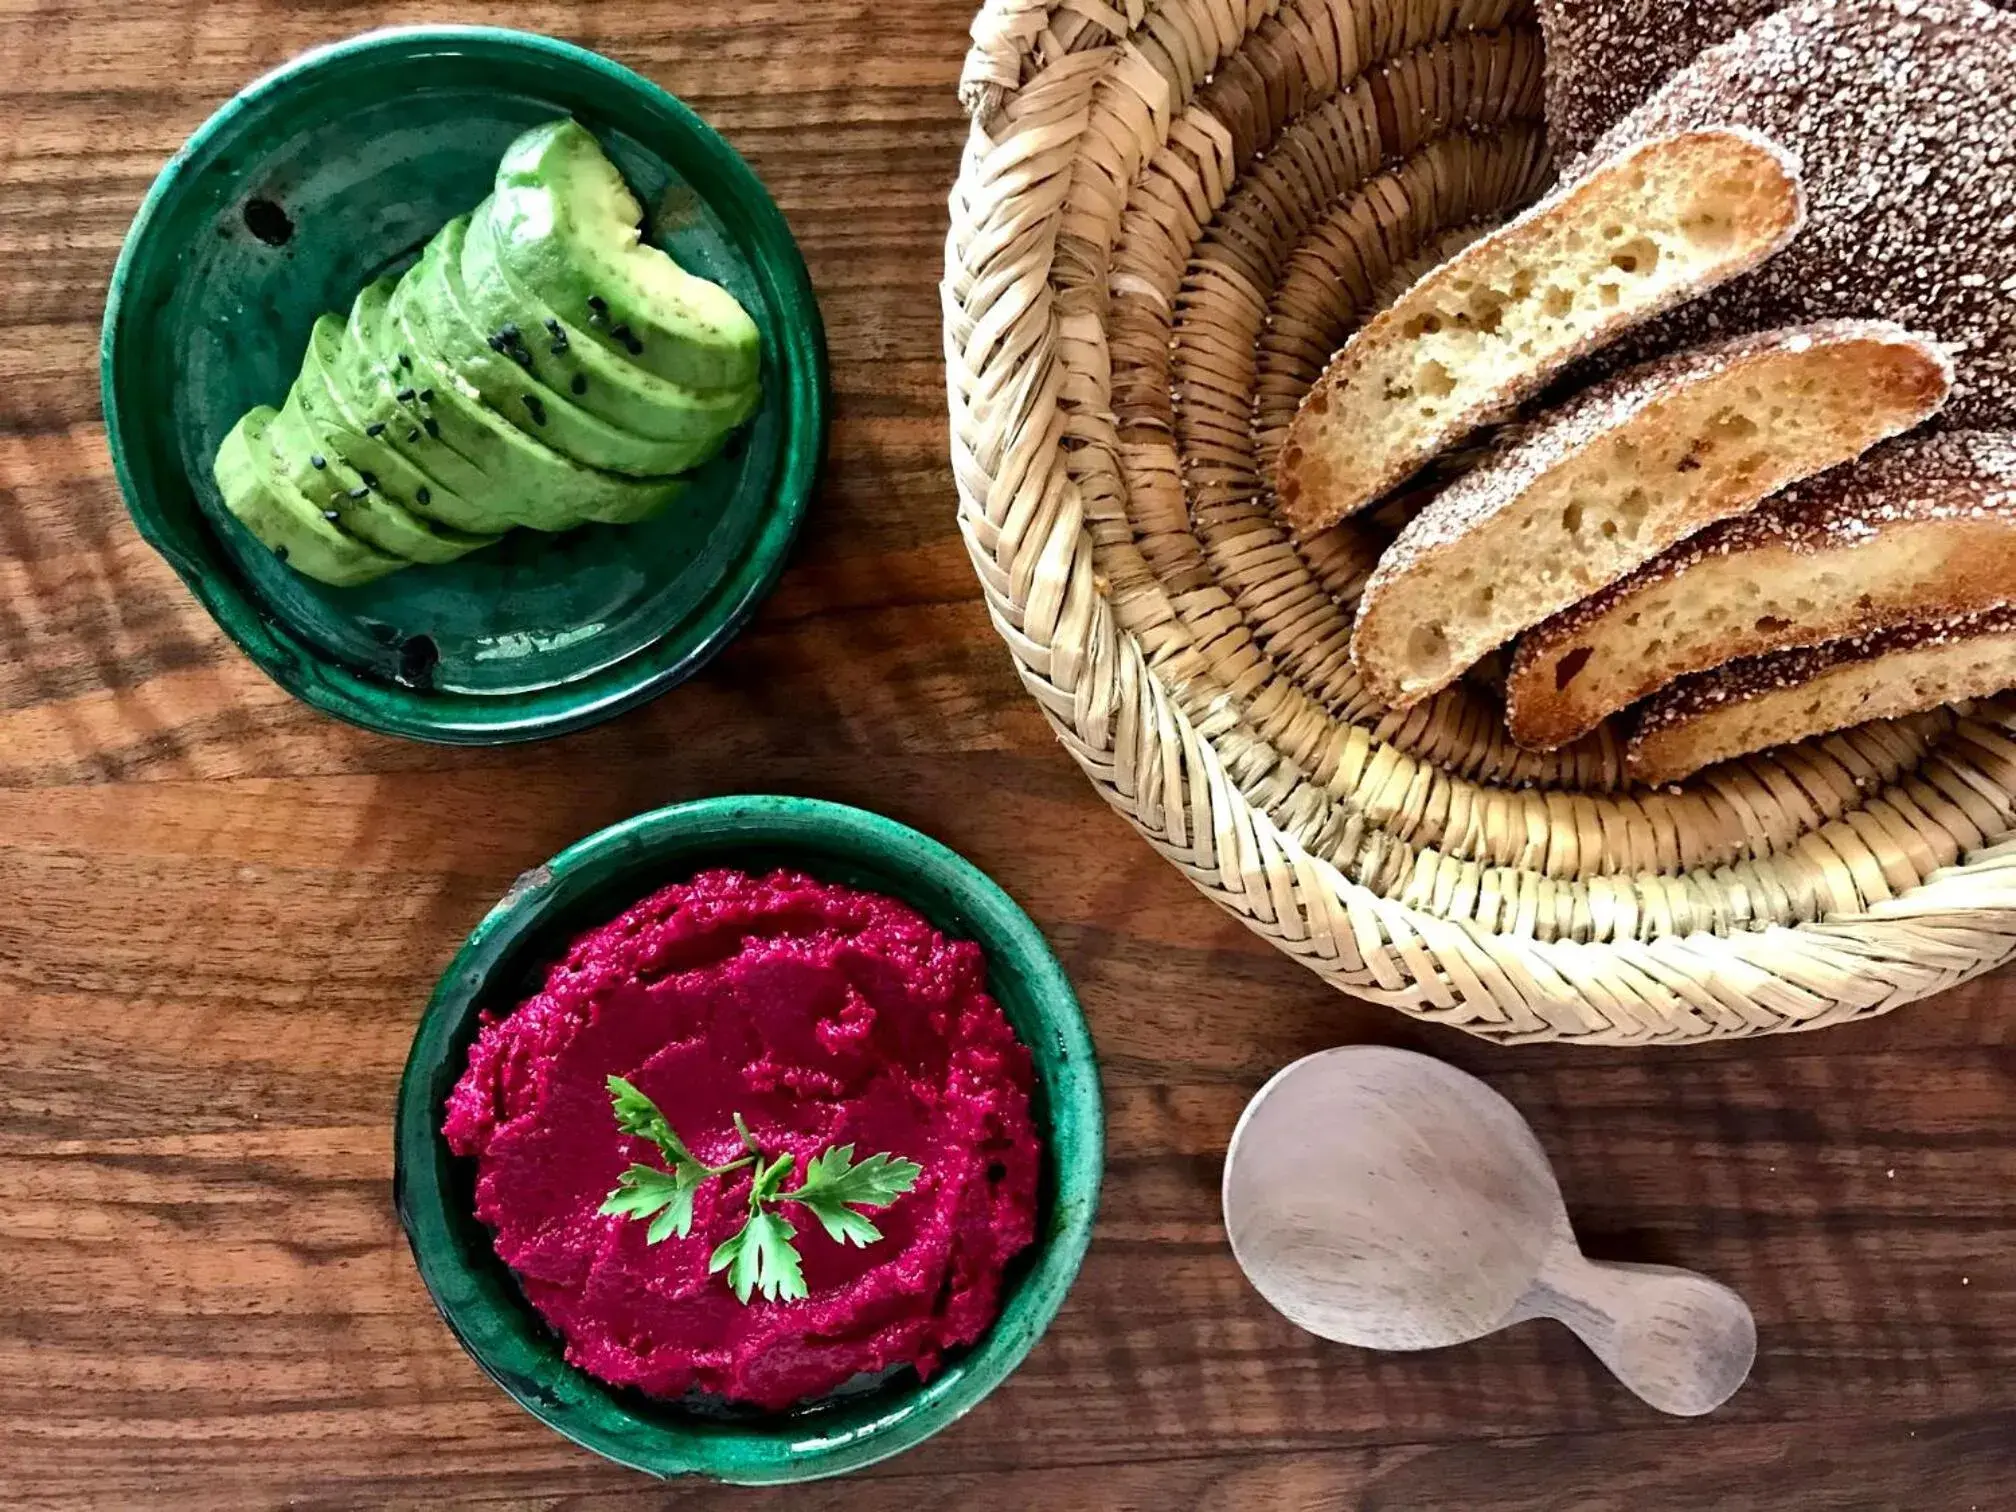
(1680, 1341)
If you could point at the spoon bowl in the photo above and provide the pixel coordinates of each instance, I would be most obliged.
(1383, 1199)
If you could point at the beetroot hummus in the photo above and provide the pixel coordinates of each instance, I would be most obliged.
(822, 1015)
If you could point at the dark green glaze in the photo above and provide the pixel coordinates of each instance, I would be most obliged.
(369, 147)
(504, 961)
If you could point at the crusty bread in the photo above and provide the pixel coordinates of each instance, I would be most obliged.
(1605, 56)
(1645, 230)
(1902, 114)
(1773, 700)
(1922, 528)
(1598, 488)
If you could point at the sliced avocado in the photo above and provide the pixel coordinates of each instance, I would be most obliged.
(568, 227)
(282, 517)
(519, 396)
(373, 373)
(640, 504)
(530, 482)
(308, 461)
(328, 410)
(566, 360)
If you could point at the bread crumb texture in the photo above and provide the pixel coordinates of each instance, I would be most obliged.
(1902, 114)
(1599, 487)
(1768, 701)
(1659, 222)
(1924, 525)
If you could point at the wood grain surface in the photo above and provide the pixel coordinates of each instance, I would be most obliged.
(221, 912)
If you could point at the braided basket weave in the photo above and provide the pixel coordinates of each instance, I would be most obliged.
(1169, 214)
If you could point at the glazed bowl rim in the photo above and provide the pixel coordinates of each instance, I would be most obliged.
(336, 688)
(792, 1446)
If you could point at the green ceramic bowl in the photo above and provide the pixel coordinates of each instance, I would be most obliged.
(504, 962)
(339, 167)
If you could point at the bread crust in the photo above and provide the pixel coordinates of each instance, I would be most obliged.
(1334, 462)
(1605, 56)
(1901, 113)
(1490, 539)
(1923, 527)
(1767, 701)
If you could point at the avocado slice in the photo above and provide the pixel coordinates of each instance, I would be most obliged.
(506, 387)
(372, 374)
(328, 411)
(567, 360)
(282, 518)
(308, 461)
(530, 483)
(568, 227)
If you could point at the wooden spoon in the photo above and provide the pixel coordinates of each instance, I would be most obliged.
(1384, 1199)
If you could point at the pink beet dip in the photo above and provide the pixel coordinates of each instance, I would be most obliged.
(825, 1016)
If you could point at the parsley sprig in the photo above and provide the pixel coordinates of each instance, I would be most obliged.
(760, 1257)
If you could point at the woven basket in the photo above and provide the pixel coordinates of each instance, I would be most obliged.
(1166, 220)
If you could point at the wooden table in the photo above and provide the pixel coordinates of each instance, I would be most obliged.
(220, 913)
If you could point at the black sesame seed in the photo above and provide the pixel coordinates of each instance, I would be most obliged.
(406, 396)
(280, 553)
(360, 493)
(535, 409)
(406, 361)
(318, 461)
(496, 343)
(432, 426)
(423, 495)
(559, 346)
(598, 304)
(509, 331)
(413, 434)
(579, 385)
(375, 429)
(330, 514)
(553, 325)
(522, 357)
(370, 479)
(427, 396)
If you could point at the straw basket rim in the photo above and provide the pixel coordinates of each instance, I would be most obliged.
(1163, 208)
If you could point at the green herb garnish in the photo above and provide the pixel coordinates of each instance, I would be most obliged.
(760, 1257)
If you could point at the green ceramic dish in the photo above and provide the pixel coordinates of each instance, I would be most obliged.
(503, 962)
(337, 168)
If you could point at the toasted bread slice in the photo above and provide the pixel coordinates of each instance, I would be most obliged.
(1901, 113)
(1923, 528)
(1645, 230)
(1767, 701)
(1598, 488)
